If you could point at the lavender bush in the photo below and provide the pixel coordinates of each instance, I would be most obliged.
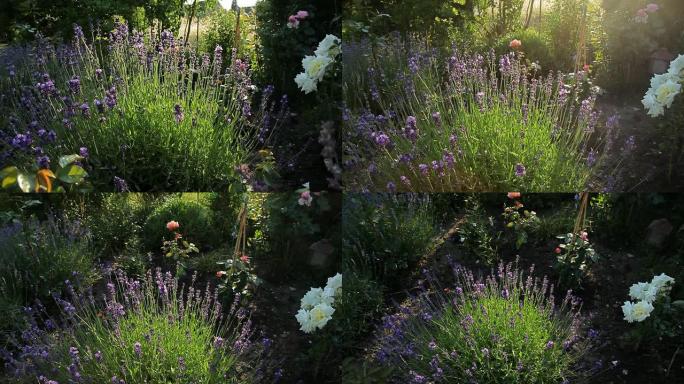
(149, 331)
(506, 328)
(36, 258)
(418, 121)
(145, 114)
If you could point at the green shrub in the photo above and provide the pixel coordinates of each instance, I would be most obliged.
(478, 234)
(386, 235)
(221, 31)
(282, 49)
(117, 220)
(356, 311)
(36, 258)
(196, 224)
(149, 331)
(535, 47)
(504, 329)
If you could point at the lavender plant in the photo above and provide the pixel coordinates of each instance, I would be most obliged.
(419, 122)
(506, 328)
(152, 331)
(146, 114)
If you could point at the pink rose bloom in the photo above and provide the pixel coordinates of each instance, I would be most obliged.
(305, 198)
(641, 16)
(172, 225)
(293, 22)
(244, 259)
(584, 236)
(652, 8)
(515, 44)
(301, 15)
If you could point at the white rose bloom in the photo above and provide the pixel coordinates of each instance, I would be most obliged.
(316, 66)
(677, 67)
(335, 283)
(312, 298)
(654, 108)
(305, 83)
(328, 296)
(661, 281)
(636, 312)
(329, 47)
(321, 314)
(643, 291)
(665, 94)
(658, 80)
(304, 319)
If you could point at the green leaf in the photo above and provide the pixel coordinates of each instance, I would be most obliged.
(26, 183)
(71, 174)
(9, 176)
(69, 159)
(679, 304)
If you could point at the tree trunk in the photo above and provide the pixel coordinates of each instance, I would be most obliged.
(530, 11)
(192, 14)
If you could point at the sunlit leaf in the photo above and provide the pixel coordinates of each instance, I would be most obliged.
(69, 159)
(25, 183)
(71, 174)
(9, 176)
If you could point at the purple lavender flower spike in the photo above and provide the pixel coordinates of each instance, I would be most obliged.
(520, 170)
(120, 184)
(178, 113)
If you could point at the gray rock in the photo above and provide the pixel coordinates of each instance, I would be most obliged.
(658, 231)
(321, 253)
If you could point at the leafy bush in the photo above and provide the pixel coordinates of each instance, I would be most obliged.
(117, 220)
(356, 309)
(282, 48)
(146, 331)
(385, 236)
(534, 46)
(522, 223)
(196, 224)
(478, 235)
(575, 259)
(221, 31)
(289, 226)
(36, 258)
(503, 329)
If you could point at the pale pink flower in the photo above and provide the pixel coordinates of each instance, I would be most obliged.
(301, 15)
(652, 8)
(641, 16)
(305, 198)
(584, 236)
(172, 225)
(293, 22)
(515, 44)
